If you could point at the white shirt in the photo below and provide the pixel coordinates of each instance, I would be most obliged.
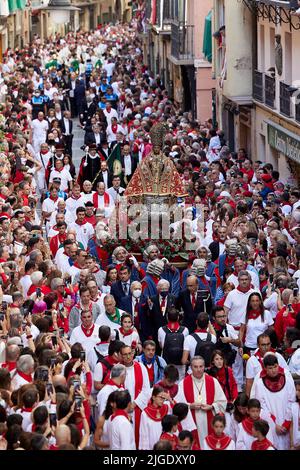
(83, 232)
(25, 282)
(128, 165)
(67, 126)
(190, 344)
(111, 136)
(114, 194)
(39, 130)
(65, 177)
(236, 302)
(254, 279)
(254, 367)
(121, 434)
(85, 198)
(109, 115)
(256, 327)
(87, 342)
(162, 335)
(49, 205)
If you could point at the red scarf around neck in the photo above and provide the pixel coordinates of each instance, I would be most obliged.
(120, 413)
(106, 200)
(111, 382)
(26, 377)
(254, 314)
(274, 384)
(173, 326)
(247, 424)
(218, 442)
(244, 291)
(261, 445)
(54, 199)
(88, 331)
(156, 414)
(126, 333)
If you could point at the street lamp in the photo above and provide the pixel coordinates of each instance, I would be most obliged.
(60, 11)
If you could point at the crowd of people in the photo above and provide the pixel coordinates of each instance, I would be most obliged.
(100, 349)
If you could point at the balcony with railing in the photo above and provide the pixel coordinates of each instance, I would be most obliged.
(182, 47)
(258, 86)
(285, 99)
(270, 91)
(264, 88)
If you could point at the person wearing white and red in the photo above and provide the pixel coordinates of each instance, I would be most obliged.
(74, 201)
(218, 440)
(84, 230)
(78, 265)
(24, 372)
(204, 395)
(61, 172)
(57, 241)
(235, 307)
(276, 392)
(87, 333)
(12, 353)
(115, 382)
(102, 368)
(113, 129)
(120, 429)
(240, 265)
(151, 418)
(138, 385)
(255, 363)
(295, 429)
(245, 435)
(50, 204)
(128, 334)
(30, 399)
(203, 330)
(103, 200)
(260, 431)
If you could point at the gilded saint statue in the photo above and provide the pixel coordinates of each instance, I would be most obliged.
(156, 176)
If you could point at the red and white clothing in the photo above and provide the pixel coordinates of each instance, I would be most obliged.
(120, 432)
(214, 442)
(104, 393)
(88, 338)
(20, 379)
(276, 397)
(236, 302)
(296, 423)
(65, 177)
(104, 320)
(245, 438)
(111, 132)
(233, 278)
(265, 444)
(84, 232)
(92, 357)
(62, 261)
(255, 364)
(190, 344)
(26, 415)
(50, 205)
(206, 390)
(73, 203)
(150, 427)
(255, 327)
(130, 338)
(105, 202)
(138, 385)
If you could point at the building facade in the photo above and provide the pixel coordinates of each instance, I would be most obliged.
(173, 48)
(14, 24)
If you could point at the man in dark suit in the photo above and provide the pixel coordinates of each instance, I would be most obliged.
(121, 288)
(66, 125)
(88, 109)
(217, 248)
(79, 95)
(158, 306)
(94, 136)
(129, 164)
(104, 176)
(135, 304)
(192, 303)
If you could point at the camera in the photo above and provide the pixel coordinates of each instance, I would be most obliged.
(52, 419)
(78, 402)
(54, 341)
(76, 384)
(295, 291)
(82, 356)
(49, 388)
(42, 374)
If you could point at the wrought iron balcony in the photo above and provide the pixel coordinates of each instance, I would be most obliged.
(182, 45)
(285, 99)
(258, 86)
(297, 112)
(270, 91)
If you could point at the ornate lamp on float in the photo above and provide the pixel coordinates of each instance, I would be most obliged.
(60, 11)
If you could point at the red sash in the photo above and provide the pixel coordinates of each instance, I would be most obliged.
(156, 414)
(120, 413)
(218, 443)
(261, 445)
(188, 389)
(138, 385)
(106, 200)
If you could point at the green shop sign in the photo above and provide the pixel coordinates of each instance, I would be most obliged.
(284, 142)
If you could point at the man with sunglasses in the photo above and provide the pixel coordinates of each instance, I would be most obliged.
(227, 338)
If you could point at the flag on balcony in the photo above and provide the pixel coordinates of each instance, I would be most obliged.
(153, 12)
(207, 38)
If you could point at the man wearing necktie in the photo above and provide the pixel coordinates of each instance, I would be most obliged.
(191, 303)
(121, 288)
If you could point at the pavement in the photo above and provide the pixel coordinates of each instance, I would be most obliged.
(78, 141)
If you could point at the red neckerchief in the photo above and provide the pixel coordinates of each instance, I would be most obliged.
(10, 365)
(106, 199)
(173, 326)
(217, 327)
(80, 223)
(60, 170)
(243, 290)
(274, 384)
(247, 424)
(200, 330)
(257, 354)
(171, 389)
(88, 332)
(156, 414)
(54, 199)
(76, 265)
(26, 410)
(75, 198)
(62, 237)
(218, 442)
(167, 436)
(253, 314)
(111, 382)
(126, 333)
(114, 128)
(261, 445)
(119, 413)
(26, 377)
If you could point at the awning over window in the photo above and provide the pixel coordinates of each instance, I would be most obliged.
(207, 38)
(14, 5)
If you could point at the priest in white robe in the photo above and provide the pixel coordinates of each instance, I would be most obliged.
(205, 396)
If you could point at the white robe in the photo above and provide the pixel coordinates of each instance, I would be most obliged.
(144, 396)
(150, 432)
(244, 440)
(231, 446)
(103, 396)
(87, 342)
(278, 404)
(121, 434)
(296, 423)
(219, 405)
